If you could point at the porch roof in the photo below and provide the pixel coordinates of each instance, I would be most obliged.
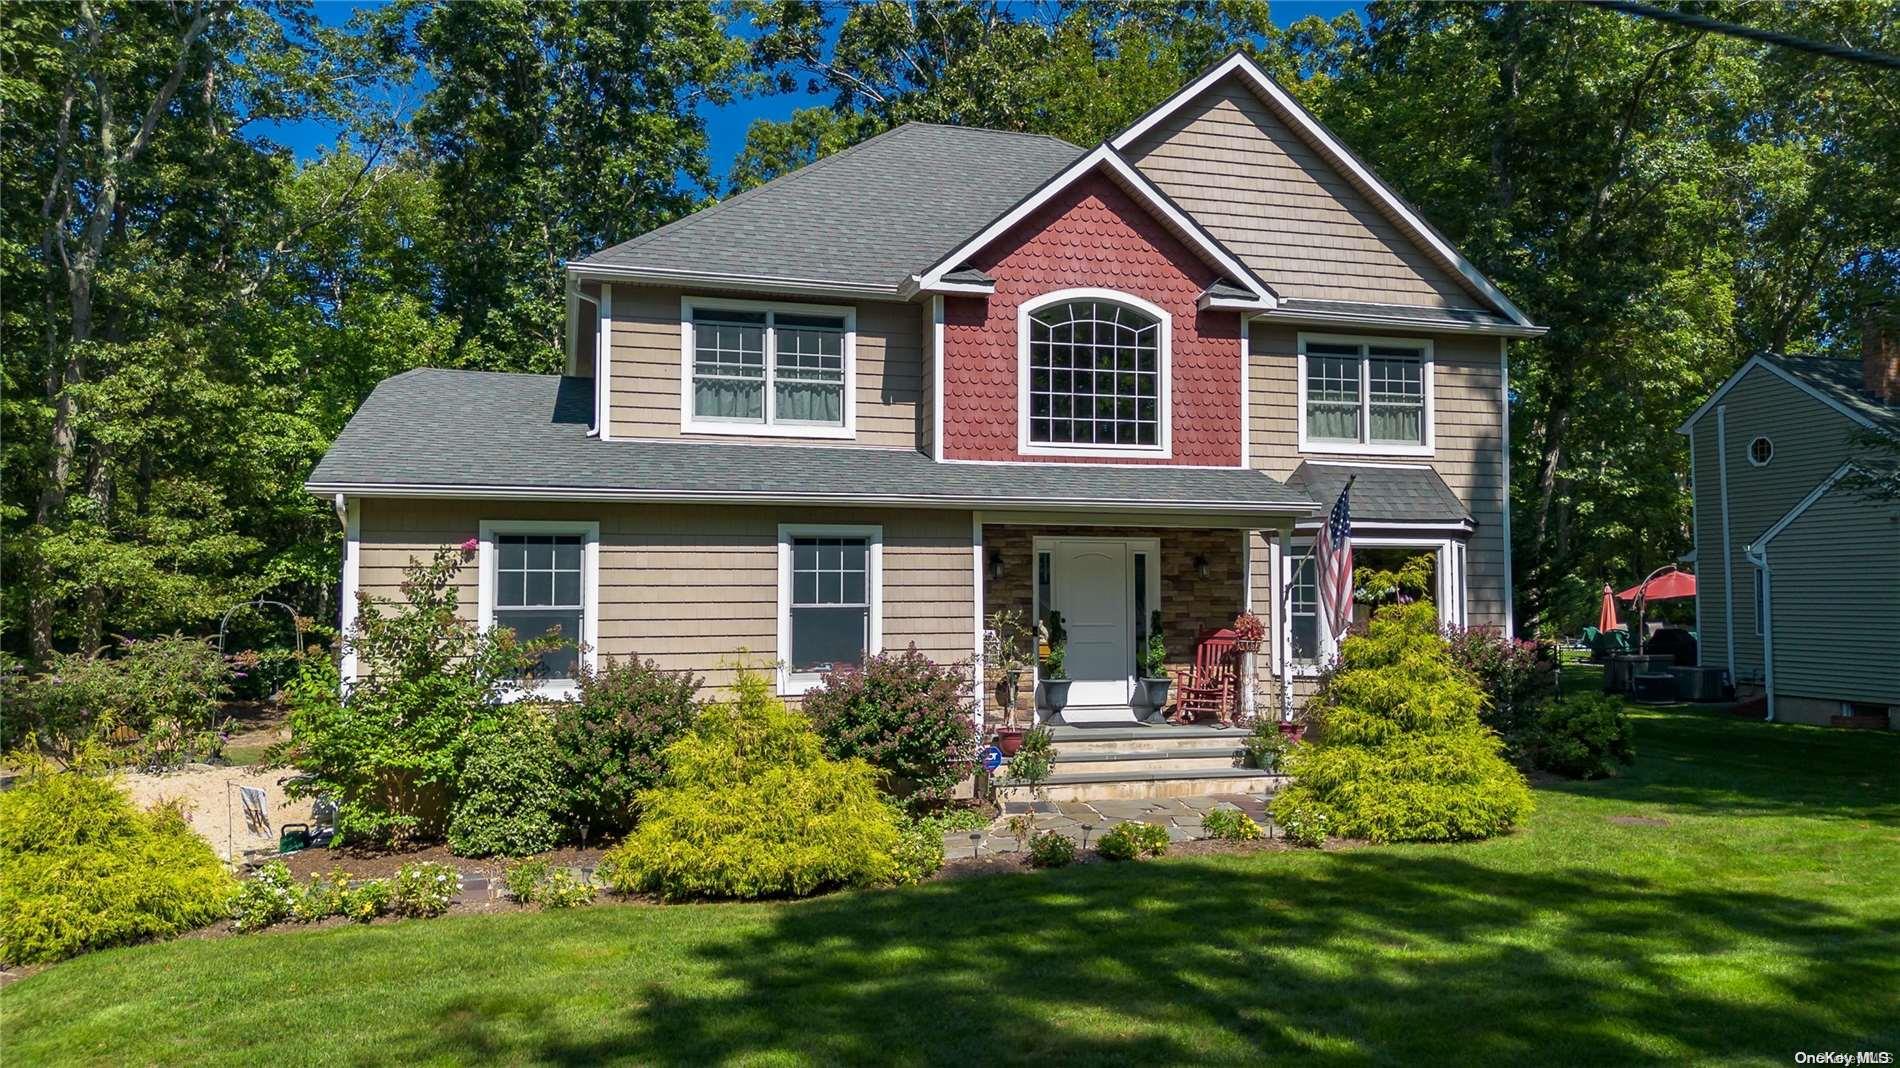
(1405, 494)
(477, 434)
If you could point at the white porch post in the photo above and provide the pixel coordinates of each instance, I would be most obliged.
(976, 619)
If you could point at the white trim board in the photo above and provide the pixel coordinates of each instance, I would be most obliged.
(350, 510)
(1164, 442)
(792, 683)
(1769, 365)
(1366, 447)
(794, 287)
(1795, 513)
(589, 638)
(604, 363)
(1335, 153)
(1138, 185)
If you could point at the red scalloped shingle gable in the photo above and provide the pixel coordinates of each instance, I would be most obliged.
(1093, 235)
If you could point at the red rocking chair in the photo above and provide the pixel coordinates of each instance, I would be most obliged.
(1210, 686)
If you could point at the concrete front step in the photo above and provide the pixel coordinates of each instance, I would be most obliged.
(1104, 785)
(1181, 758)
(1078, 742)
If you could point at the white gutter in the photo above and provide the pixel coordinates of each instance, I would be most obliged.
(1758, 555)
(1510, 576)
(717, 279)
(1297, 317)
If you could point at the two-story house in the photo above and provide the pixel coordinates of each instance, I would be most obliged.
(1798, 576)
(950, 371)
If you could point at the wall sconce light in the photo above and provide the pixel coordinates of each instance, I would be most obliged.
(996, 567)
(1201, 568)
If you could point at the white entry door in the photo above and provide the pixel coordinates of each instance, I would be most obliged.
(1093, 592)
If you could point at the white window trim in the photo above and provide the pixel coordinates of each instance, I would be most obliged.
(692, 424)
(1367, 447)
(1449, 598)
(796, 683)
(552, 689)
(1164, 403)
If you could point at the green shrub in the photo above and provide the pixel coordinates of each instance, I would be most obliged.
(1126, 841)
(1399, 753)
(959, 818)
(910, 718)
(1517, 676)
(1584, 736)
(1230, 824)
(266, 896)
(608, 741)
(165, 693)
(1051, 849)
(428, 681)
(1035, 759)
(82, 869)
(321, 897)
(562, 889)
(1265, 746)
(366, 900)
(508, 795)
(919, 854)
(523, 878)
(750, 807)
(424, 888)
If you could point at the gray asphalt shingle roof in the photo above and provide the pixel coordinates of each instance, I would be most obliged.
(1842, 381)
(1407, 312)
(868, 216)
(1382, 494)
(448, 430)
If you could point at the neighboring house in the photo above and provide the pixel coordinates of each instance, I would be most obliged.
(1798, 579)
(951, 371)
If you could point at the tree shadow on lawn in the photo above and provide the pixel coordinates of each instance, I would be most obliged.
(1356, 955)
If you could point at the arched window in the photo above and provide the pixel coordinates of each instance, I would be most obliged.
(1097, 375)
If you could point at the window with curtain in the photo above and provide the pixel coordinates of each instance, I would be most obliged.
(1305, 611)
(539, 593)
(1364, 393)
(1094, 375)
(768, 367)
(831, 602)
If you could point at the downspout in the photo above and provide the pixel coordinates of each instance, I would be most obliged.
(1759, 557)
(1728, 552)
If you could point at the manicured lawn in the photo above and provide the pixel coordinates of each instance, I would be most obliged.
(1736, 898)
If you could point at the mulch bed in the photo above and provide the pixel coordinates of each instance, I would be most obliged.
(380, 864)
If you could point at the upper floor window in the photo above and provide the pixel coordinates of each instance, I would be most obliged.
(754, 368)
(1095, 374)
(1365, 395)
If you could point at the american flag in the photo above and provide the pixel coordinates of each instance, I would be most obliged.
(1332, 561)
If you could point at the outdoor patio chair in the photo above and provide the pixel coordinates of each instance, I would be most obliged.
(1210, 686)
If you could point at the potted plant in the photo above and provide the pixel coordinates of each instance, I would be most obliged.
(1009, 652)
(1055, 676)
(1249, 632)
(1035, 760)
(1152, 662)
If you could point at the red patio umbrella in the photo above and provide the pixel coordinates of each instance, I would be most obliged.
(1606, 619)
(1667, 586)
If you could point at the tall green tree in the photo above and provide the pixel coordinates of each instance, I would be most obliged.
(553, 128)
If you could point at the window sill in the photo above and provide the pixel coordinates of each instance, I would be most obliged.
(1352, 448)
(768, 430)
(546, 690)
(791, 685)
(1149, 452)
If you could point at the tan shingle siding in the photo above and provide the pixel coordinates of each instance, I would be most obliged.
(1468, 435)
(1300, 224)
(646, 370)
(692, 586)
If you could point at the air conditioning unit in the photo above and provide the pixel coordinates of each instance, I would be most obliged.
(1698, 683)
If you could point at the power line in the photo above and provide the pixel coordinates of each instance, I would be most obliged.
(1732, 29)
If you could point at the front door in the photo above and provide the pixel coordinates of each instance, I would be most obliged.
(1092, 590)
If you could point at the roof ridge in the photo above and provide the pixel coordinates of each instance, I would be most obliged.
(989, 129)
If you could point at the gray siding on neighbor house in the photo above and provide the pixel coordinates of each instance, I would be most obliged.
(1810, 440)
(1300, 224)
(1834, 604)
(1468, 439)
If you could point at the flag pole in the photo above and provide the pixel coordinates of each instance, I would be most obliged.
(1285, 638)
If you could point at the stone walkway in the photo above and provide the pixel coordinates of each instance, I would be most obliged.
(1084, 821)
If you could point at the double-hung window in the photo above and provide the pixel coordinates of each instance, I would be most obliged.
(537, 579)
(1365, 395)
(830, 612)
(1304, 605)
(754, 368)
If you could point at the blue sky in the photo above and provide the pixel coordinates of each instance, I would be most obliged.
(725, 126)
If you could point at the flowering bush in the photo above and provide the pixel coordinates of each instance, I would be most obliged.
(321, 897)
(424, 888)
(1051, 849)
(366, 900)
(1517, 676)
(153, 700)
(265, 897)
(910, 718)
(1230, 824)
(428, 682)
(1400, 753)
(1127, 841)
(608, 742)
